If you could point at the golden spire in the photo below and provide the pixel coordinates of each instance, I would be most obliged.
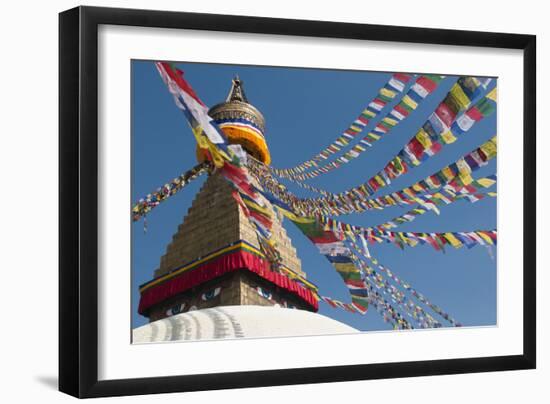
(237, 91)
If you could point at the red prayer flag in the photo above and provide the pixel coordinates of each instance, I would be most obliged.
(401, 110)
(428, 84)
(402, 77)
(446, 114)
(177, 77)
(475, 114)
(416, 147)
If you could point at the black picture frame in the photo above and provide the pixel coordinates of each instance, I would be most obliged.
(78, 196)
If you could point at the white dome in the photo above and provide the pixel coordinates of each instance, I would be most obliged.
(239, 322)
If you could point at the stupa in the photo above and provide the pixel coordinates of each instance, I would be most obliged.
(214, 258)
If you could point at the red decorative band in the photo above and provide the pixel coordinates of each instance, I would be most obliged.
(240, 259)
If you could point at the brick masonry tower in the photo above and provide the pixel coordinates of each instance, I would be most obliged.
(214, 258)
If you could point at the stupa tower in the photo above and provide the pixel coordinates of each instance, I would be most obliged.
(214, 258)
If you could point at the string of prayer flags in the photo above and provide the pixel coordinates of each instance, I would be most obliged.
(387, 93)
(417, 295)
(416, 312)
(388, 312)
(437, 240)
(423, 86)
(152, 200)
(430, 202)
(454, 178)
(412, 214)
(350, 307)
(360, 305)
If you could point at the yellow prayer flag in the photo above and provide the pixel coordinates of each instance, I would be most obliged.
(390, 121)
(408, 191)
(453, 240)
(294, 218)
(463, 167)
(379, 180)
(254, 206)
(417, 188)
(217, 157)
(424, 139)
(466, 178)
(343, 140)
(412, 242)
(485, 237)
(492, 94)
(368, 113)
(201, 140)
(376, 204)
(460, 97)
(346, 268)
(387, 93)
(410, 102)
(486, 182)
(448, 137)
(448, 173)
(489, 148)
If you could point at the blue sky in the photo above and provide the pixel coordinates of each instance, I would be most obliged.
(305, 110)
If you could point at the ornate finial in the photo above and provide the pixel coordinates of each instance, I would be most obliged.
(237, 91)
